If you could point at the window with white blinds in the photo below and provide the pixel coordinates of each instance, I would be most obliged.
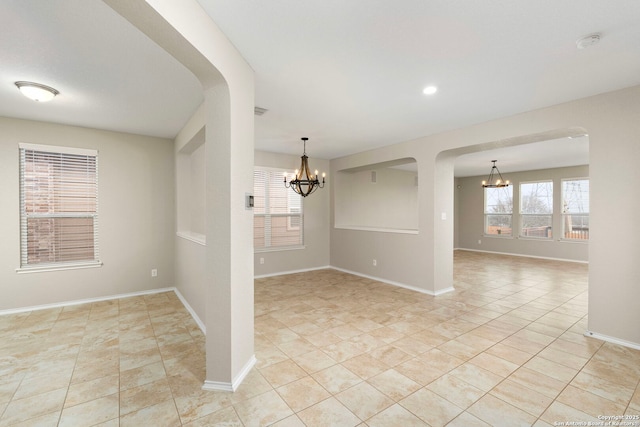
(277, 212)
(58, 206)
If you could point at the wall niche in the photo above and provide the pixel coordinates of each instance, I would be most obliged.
(378, 197)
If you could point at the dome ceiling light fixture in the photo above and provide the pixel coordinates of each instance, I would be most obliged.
(36, 91)
(588, 41)
(499, 182)
(304, 182)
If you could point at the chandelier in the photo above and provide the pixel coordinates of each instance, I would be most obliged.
(305, 182)
(499, 182)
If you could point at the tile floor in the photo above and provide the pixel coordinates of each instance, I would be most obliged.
(506, 348)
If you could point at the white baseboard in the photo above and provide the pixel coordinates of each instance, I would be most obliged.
(522, 255)
(282, 273)
(612, 340)
(232, 386)
(400, 285)
(109, 298)
(191, 311)
(84, 301)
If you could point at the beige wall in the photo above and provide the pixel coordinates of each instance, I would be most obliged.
(391, 202)
(611, 121)
(316, 223)
(470, 221)
(136, 216)
(190, 239)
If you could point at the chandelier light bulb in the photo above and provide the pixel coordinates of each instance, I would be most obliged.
(495, 173)
(305, 182)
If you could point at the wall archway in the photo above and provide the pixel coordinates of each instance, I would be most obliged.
(444, 191)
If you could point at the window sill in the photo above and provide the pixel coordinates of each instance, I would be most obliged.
(276, 249)
(378, 229)
(499, 236)
(580, 242)
(57, 267)
(537, 239)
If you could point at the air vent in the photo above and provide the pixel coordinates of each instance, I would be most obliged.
(258, 111)
(374, 177)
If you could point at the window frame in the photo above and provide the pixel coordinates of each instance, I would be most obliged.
(56, 194)
(526, 214)
(275, 178)
(564, 214)
(487, 215)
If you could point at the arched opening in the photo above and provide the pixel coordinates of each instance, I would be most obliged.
(553, 157)
(224, 265)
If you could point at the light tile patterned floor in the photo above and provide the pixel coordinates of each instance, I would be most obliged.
(506, 348)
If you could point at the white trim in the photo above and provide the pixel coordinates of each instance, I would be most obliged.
(524, 256)
(108, 298)
(278, 249)
(57, 149)
(233, 385)
(378, 229)
(389, 282)
(612, 340)
(198, 238)
(400, 285)
(282, 273)
(578, 241)
(40, 268)
(191, 311)
(217, 386)
(83, 301)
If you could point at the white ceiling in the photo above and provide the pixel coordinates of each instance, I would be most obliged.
(554, 153)
(347, 74)
(110, 75)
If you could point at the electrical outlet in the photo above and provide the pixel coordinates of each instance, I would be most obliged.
(261, 260)
(154, 273)
(375, 262)
(479, 242)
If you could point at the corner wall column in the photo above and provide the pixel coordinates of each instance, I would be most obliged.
(229, 229)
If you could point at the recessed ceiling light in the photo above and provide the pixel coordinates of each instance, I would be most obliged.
(37, 91)
(430, 90)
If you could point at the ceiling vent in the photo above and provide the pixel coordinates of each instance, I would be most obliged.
(259, 111)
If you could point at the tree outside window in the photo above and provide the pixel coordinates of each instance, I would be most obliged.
(498, 211)
(575, 209)
(536, 209)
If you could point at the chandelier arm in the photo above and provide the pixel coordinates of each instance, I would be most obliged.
(304, 182)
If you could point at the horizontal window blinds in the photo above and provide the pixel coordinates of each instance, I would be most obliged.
(278, 216)
(58, 205)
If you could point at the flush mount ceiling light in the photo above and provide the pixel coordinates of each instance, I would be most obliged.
(588, 41)
(304, 182)
(499, 181)
(430, 90)
(37, 91)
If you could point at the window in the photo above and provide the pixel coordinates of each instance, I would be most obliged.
(277, 212)
(575, 209)
(58, 206)
(498, 210)
(536, 209)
